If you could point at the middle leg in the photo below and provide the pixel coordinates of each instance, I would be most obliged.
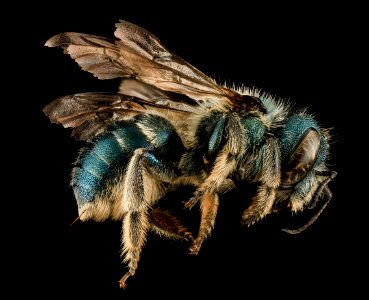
(209, 209)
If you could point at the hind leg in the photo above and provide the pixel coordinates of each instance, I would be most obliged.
(165, 224)
(135, 227)
(141, 189)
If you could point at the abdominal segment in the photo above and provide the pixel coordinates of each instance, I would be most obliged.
(98, 176)
(125, 164)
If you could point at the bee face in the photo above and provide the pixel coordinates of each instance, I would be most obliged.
(302, 145)
(171, 125)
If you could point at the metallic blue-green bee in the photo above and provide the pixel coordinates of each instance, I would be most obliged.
(170, 125)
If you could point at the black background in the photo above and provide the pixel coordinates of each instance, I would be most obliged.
(304, 54)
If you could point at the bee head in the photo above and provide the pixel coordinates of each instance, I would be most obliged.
(303, 146)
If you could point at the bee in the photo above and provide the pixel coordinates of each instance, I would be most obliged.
(170, 125)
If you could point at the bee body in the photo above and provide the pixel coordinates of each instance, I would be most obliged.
(171, 125)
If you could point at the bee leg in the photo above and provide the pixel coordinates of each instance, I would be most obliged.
(218, 180)
(261, 205)
(140, 191)
(165, 224)
(269, 176)
(311, 193)
(228, 149)
(162, 222)
(314, 218)
(135, 227)
(191, 203)
(207, 193)
(308, 191)
(303, 193)
(209, 209)
(227, 185)
(323, 189)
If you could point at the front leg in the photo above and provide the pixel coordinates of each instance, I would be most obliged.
(313, 199)
(269, 175)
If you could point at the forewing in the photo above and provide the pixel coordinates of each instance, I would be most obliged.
(89, 114)
(95, 54)
(140, 55)
(171, 72)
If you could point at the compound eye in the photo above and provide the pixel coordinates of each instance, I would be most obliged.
(301, 159)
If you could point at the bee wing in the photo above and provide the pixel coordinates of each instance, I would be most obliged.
(89, 114)
(140, 55)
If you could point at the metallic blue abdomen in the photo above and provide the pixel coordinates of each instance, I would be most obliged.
(106, 159)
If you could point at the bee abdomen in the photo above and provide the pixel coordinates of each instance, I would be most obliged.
(101, 164)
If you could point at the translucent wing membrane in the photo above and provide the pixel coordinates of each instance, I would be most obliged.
(95, 54)
(140, 55)
(90, 113)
